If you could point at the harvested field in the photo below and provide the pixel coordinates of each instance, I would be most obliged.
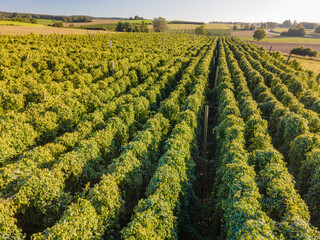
(94, 22)
(246, 34)
(193, 26)
(22, 30)
(287, 47)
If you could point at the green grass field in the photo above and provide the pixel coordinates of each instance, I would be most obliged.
(46, 21)
(311, 64)
(139, 21)
(12, 23)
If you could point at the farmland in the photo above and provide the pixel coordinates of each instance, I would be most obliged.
(102, 137)
(93, 22)
(46, 21)
(299, 40)
(13, 23)
(42, 30)
(308, 63)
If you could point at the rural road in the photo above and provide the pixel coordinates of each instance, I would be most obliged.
(271, 32)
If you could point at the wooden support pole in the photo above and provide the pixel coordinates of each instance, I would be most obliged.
(318, 78)
(110, 43)
(270, 49)
(28, 57)
(112, 65)
(216, 78)
(205, 131)
(288, 59)
(163, 44)
(44, 96)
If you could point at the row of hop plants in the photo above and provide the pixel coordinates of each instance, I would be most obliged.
(29, 120)
(237, 211)
(82, 163)
(124, 178)
(281, 201)
(155, 217)
(293, 134)
(301, 83)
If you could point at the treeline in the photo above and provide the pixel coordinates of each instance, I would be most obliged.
(20, 19)
(271, 25)
(297, 31)
(186, 22)
(132, 27)
(307, 25)
(136, 17)
(14, 15)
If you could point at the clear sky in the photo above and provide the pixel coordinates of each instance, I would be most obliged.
(195, 10)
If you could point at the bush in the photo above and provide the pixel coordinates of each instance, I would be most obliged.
(298, 31)
(201, 30)
(304, 52)
(57, 24)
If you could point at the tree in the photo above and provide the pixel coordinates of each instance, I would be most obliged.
(234, 28)
(309, 25)
(32, 20)
(259, 34)
(136, 17)
(301, 31)
(317, 30)
(144, 27)
(298, 31)
(201, 30)
(120, 27)
(159, 24)
(287, 24)
(246, 27)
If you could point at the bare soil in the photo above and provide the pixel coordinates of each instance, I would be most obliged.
(287, 47)
(94, 22)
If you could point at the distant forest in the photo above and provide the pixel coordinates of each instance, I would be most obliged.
(285, 24)
(74, 18)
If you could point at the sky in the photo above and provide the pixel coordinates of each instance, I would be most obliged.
(193, 10)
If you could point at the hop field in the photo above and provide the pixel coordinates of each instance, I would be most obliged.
(101, 138)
